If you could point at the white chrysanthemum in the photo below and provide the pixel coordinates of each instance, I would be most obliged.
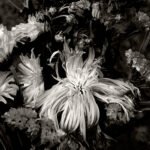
(30, 78)
(75, 96)
(6, 43)
(30, 29)
(8, 88)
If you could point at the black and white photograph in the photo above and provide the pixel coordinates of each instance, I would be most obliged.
(74, 74)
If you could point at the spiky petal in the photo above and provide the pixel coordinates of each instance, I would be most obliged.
(6, 43)
(8, 88)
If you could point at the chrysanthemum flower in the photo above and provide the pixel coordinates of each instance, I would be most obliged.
(8, 88)
(30, 29)
(30, 78)
(6, 43)
(74, 97)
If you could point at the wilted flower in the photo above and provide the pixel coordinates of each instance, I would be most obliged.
(8, 88)
(138, 61)
(116, 116)
(75, 96)
(30, 29)
(6, 43)
(30, 78)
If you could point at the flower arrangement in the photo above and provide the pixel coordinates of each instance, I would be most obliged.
(60, 68)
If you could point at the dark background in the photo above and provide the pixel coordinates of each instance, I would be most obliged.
(9, 15)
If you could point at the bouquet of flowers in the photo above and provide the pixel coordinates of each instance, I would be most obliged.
(72, 72)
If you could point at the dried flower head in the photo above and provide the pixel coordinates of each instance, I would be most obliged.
(19, 117)
(116, 116)
(8, 88)
(30, 78)
(138, 61)
(6, 43)
(75, 96)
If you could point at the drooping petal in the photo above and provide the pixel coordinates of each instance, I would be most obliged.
(113, 87)
(53, 101)
(93, 113)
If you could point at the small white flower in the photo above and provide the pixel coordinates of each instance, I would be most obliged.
(30, 78)
(8, 88)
